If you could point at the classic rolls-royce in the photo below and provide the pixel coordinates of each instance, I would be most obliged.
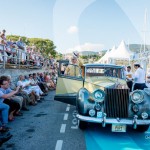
(101, 95)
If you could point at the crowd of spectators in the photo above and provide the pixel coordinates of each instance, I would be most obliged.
(16, 97)
(14, 52)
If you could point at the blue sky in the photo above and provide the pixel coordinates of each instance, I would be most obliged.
(77, 24)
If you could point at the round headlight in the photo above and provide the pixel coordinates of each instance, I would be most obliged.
(83, 94)
(98, 107)
(144, 115)
(99, 95)
(92, 112)
(135, 108)
(137, 97)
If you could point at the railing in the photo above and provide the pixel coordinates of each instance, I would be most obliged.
(16, 56)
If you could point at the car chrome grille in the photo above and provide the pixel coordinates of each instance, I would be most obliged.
(116, 103)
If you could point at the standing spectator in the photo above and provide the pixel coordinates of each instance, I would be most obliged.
(139, 77)
(22, 53)
(4, 42)
(148, 80)
(129, 78)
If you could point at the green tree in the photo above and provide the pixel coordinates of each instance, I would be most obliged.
(46, 46)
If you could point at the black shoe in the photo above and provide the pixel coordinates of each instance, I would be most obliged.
(42, 98)
(4, 129)
(5, 138)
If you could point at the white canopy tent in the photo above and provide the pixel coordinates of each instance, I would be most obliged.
(105, 58)
(122, 53)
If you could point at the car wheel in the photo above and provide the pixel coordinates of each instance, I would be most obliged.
(142, 128)
(82, 125)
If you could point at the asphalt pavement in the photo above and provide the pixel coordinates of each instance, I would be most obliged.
(52, 125)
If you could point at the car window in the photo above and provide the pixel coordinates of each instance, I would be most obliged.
(109, 72)
(72, 71)
(63, 68)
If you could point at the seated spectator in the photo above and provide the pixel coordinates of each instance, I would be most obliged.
(40, 78)
(39, 83)
(54, 77)
(5, 94)
(29, 86)
(35, 87)
(14, 52)
(20, 95)
(25, 88)
(16, 98)
(4, 108)
(48, 80)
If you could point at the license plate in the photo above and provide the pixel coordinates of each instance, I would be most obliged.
(118, 128)
(99, 114)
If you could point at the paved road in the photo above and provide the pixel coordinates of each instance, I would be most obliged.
(52, 125)
(39, 129)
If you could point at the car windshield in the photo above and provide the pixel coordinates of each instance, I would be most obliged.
(103, 71)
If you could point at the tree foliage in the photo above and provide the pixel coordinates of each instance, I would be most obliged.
(46, 46)
(94, 57)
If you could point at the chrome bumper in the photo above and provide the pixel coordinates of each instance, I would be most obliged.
(105, 120)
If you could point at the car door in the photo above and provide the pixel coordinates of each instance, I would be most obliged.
(68, 84)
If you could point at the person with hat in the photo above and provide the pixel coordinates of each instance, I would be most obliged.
(78, 62)
(72, 69)
(139, 77)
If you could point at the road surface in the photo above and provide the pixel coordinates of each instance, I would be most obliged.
(52, 125)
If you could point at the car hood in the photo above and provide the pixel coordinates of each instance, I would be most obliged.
(104, 81)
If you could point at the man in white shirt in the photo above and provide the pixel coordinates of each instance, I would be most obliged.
(139, 77)
(129, 78)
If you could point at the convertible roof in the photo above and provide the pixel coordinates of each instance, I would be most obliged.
(103, 65)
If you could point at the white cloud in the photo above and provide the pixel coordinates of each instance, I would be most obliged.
(87, 47)
(73, 29)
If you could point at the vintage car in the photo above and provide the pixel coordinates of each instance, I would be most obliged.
(101, 95)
